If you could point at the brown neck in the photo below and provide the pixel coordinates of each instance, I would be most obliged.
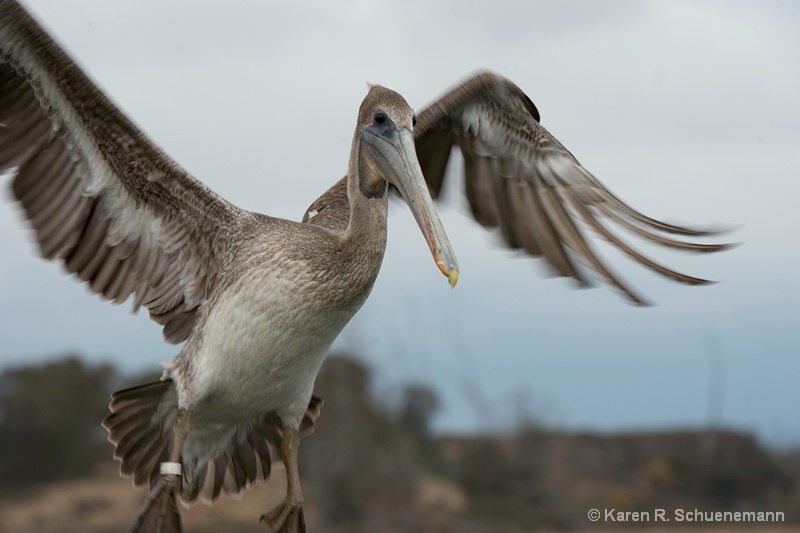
(368, 209)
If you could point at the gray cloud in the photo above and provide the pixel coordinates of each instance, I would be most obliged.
(686, 109)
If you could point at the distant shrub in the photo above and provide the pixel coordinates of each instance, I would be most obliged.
(50, 421)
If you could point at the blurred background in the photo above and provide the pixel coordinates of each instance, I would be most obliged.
(513, 402)
(374, 463)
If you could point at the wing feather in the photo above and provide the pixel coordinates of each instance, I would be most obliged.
(332, 209)
(595, 224)
(518, 177)
(99, 195)
(435, 152)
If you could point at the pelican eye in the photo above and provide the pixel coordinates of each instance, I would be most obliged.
(414, 120)
(379, 117)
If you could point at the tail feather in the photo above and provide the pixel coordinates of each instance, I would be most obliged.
(135, 448)
(243, 463)
(190, 491)
(312, 413)
(259, 444)
(220, 469)
(147, 460)
(140, 426)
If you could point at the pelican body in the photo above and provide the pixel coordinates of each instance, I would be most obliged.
(258, 300)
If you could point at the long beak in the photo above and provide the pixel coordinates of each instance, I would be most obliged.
(398, 163)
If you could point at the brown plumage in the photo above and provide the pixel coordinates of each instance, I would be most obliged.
(259, 300)
(520, 178)
(140, 425)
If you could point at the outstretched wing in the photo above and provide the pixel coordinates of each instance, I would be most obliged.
(101, 197)
(520, 178)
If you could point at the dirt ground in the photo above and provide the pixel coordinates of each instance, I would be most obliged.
(108, 503)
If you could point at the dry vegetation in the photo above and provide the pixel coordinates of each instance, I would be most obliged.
(375, 468)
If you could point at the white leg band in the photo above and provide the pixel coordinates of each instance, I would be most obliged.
(174, 469)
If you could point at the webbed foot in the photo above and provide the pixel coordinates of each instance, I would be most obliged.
(286, 518)
(160, 512)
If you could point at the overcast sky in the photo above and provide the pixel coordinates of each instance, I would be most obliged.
(687, 110)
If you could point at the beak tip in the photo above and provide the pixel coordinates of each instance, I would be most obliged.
(452, 277)
(450, 273)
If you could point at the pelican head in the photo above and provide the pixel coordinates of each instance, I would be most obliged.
(387, 154)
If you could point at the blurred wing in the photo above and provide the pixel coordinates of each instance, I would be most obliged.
(520, 178)
(101, 197)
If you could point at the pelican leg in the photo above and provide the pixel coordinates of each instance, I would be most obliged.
(160, 512)
(288, 516)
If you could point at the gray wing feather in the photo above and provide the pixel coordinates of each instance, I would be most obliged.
(332, 209)
(518, 177)
(100, 196)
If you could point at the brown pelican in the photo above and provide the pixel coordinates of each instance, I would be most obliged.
(259, 300)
